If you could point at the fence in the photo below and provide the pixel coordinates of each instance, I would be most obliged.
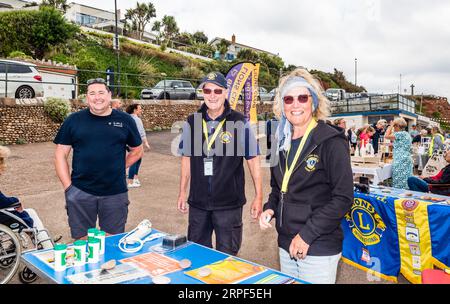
(374, 103)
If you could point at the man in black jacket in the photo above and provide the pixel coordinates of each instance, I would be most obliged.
(214, 143)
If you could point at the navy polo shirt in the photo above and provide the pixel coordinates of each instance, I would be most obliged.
(99, 150)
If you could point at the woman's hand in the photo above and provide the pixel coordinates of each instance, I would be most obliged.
(298, 248)
(264, 219)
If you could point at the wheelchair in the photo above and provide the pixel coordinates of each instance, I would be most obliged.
(16, 238)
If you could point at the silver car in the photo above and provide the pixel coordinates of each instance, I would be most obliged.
(20, 80)
(170, 89)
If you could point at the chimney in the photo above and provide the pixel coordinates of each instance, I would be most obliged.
(233, 39)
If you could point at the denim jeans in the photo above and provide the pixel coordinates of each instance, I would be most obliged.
(134, 169)
(417, 184)
(313, 269)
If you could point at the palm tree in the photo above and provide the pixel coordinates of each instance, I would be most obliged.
(57, 4)
(170, 28)
(140, 16)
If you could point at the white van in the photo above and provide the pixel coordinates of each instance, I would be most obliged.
(20, 80)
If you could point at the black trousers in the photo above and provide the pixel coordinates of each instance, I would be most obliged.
(226, 224)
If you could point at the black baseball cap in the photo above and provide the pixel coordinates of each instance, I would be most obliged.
(215, 77)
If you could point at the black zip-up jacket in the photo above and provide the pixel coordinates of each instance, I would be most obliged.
(320, 193)
(226, 188)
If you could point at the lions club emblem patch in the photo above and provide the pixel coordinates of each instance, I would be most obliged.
(225, 137)
(311, 163)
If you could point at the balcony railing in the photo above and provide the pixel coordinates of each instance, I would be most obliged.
(373, 103)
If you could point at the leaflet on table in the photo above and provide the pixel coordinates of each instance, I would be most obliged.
(276, 279)
(228, 271)
(119, 274)
(154, 264)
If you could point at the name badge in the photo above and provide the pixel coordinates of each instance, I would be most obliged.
(208, 166)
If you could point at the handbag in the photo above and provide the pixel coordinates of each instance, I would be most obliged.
(435, 164)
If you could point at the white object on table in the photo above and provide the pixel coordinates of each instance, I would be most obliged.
(379, 173)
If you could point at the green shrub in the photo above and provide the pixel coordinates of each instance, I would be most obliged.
(57, 109)
(20, 141)
(19, 55)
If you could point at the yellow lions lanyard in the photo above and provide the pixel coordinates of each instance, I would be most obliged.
(290, 169)
(208, 167)
(209, 141)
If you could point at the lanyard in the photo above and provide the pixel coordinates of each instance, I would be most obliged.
(289, 170)
(213, 137)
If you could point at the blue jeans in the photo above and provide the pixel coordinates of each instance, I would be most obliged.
(417, 184)
(134, 169)
(313, 269)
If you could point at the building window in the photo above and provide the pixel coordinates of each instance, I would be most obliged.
(88, 20)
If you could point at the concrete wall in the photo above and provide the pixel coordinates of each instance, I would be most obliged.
(25, 121)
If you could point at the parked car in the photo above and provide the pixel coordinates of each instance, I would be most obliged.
(170, 89)
(199, 93)
(23, 80)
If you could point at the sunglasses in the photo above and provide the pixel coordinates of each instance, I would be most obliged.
(209, 91)
(96, 80)
(303, 98)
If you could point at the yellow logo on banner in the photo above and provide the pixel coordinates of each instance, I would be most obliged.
(367, 226)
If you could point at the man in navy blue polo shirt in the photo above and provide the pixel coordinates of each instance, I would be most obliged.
(97, 186)
(214, 143)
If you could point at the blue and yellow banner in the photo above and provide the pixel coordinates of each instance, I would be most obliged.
(386, 236)
(244, 77)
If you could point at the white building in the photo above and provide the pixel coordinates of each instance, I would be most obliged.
(94, 17)
(9, 5)
(234, 48)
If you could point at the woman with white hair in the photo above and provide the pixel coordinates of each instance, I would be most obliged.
(312, 184)
(402, 166)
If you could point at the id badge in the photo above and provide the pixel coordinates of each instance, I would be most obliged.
(208, 166)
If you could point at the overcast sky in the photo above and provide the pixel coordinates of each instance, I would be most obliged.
(388, 38)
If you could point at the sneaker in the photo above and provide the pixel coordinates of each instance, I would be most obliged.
(132, 185)
(136, 181)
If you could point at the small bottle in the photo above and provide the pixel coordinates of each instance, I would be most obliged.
(60, 252)
(100, 235)
(94, 250)
(79, 249)
(92, 232)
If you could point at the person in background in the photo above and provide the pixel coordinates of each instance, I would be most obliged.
(426, 184)
(116, 104)
(418, 138)
(135, 110)
(414, 132)
(366, 135)
(352, 137)
(437, 141)
(312, 184)
(341, 123)
(402, 165)
(379, 128)
(6, 201)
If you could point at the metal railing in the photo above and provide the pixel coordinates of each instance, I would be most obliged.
(373, 103)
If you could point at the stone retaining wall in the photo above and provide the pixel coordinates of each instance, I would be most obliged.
(24, 121)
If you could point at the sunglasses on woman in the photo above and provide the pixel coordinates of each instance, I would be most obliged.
(303, 98)
(209, 91)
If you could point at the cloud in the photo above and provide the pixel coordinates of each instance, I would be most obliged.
(389, 38)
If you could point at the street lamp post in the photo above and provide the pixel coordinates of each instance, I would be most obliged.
(356, 70)
(116, 38)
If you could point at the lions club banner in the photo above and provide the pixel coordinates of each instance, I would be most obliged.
(388, 235)
(370, 236)
(244, 77)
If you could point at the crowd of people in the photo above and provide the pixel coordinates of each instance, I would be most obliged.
(311, 181)
(399, 143)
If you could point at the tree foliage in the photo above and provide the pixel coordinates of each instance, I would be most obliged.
(140, 16)
(56, 4)
(33, 32)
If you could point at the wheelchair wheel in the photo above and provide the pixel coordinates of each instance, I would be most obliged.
(10, 251)
(27, 276)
